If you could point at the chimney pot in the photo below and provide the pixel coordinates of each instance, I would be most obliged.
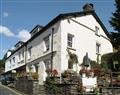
(88, 7)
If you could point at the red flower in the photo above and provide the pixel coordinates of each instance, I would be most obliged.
(54, 72)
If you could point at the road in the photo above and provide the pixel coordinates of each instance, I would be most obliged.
(7, 91)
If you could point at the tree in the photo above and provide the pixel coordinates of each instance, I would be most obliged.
(115, 23)
(1, 66)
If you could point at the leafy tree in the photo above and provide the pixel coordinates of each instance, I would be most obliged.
(115, 23)
(1, 66)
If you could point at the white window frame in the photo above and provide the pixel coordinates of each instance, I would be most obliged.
(47, 43)
(98, 50)
(19, 58)
(70, 40)
(22, 55)
(10, 63)
(29, 52)
(47, 63)
(98, 46)
(97, 30)
(13, 59)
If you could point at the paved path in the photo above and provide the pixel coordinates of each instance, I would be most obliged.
(7, 91)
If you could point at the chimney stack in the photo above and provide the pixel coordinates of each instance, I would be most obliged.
(88, 7)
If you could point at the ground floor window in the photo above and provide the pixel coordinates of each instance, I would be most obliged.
(47, 63)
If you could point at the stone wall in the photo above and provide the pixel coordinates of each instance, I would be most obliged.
(63, 89)
(26, 86)
(31, 87)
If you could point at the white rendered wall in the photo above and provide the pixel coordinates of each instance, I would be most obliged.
(38, 46)
(17, 64)
(84, 39)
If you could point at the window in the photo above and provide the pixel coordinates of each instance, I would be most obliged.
(10, 63)
(22, 55)
(36, 67)
(70, 40)
(98, 52)
(47, 64)
(29, 53)
(116, 65)
(19, 58)
(96, 30)
(13, 59)
(13, 64)
(97, 48)
(47, 43)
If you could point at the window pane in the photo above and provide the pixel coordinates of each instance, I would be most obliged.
(47, 64)
(47, 43)
(96, 30)
(29, 52)
(69, 40)
(98, 48)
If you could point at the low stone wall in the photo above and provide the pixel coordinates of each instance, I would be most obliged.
(29, 87)
(64, 89)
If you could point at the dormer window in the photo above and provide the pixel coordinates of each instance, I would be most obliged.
(96, 30)
(36, 30)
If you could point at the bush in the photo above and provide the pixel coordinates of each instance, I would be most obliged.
(51, 86)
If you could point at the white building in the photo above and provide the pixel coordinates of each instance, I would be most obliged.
(79, 32)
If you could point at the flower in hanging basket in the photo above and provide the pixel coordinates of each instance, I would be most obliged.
(96, 71)
(54, 72)
(82, 71)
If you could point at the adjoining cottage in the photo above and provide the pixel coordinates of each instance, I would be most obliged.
(79, 32)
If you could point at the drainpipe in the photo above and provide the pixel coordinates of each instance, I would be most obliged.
(25, 56)
(52, 49)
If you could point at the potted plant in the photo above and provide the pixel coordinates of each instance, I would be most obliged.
(73, 59)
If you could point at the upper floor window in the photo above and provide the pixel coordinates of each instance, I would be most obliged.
(13, 59)
(47, 43)
(10, 63)
(98, 52)
(29, 53)
(13, 64)
(22, 55)
(19, 58)
(96, 30)
(70, 40)
(97, 48)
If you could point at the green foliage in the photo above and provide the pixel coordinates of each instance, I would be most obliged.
(73, 59)
(106, 62)
(1, 64)
(115, 23)
(93, 64)
(51, 86)
(115, 20)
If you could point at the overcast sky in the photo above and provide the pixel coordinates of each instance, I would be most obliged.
(19, 17)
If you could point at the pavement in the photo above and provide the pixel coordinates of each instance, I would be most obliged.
(4, 90)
